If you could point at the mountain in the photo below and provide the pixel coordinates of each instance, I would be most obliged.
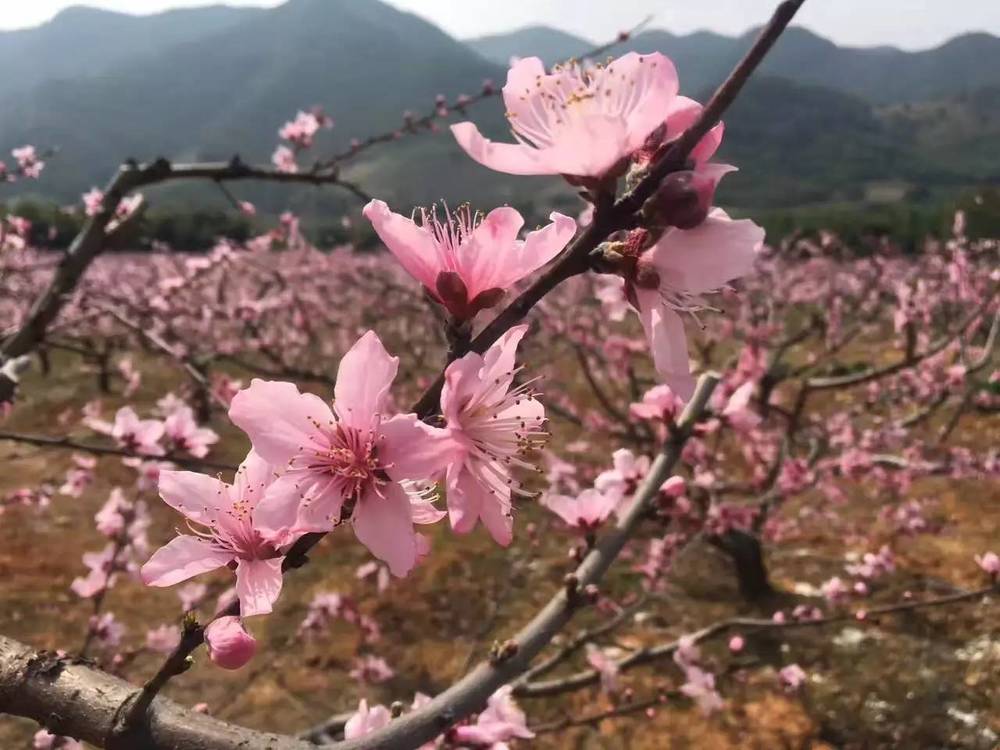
(880, 75)
(230, 90)
(551, 45)
(206, 83)
(88, 41)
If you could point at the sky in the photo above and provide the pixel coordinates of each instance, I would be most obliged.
(910, 24)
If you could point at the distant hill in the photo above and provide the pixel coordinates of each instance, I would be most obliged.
(83, 42)
(822, 123)
(878, 74)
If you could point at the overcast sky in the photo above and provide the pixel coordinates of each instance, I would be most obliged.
(911, 24)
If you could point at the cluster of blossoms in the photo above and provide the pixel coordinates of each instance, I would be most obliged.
(300, 134)
(176, 431)
(29, 165)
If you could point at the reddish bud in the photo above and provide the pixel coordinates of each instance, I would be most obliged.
(683, 200)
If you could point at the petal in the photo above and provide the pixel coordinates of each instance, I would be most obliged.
(590, 146)
(667, 343)
(706, 257)
(499, 367)
(364, 377)
(413, 246)
(538, 248)
(495, 512)
(563, 506)
(181, 558)
(252, 479)
(683, 113)
(198, 496)
(294, 504)
(258, 583)
(278, 419)
(411, 449)
(649, 83)
(482, 256)
(385, 526)
(522, 87)
(512, 158)
(464, 499)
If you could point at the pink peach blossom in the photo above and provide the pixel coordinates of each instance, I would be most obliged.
(467, 261)
(669, 276)
(349, 455)
(576, 121)
(230, 532)
(585, 512)
(492, 425)
(184, 434)
(501, 721)
(366, 720)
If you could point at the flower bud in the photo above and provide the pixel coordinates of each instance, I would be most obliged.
(683, 200)
(229, 644)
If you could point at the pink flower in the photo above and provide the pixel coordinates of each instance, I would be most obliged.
(736, 644)
(350, 454)
(163, 639)
(111, 518)
(584, 513)
(101, 575)
(668, 278)
(191, 595)
(835, 590)
(130, 432)
(303, 128)
(659, 402)
(989, 562)
(371, 669)
(622, 480)
(366, 720)
(737, 411)
(467, 261)
(93, 202)
(229, 644)
(576, 121)
(284, 160)
(230, 533)
(184, 433)
(501, 721)
(492, 425)
(792, 677)
(699, 686)
(28, 162)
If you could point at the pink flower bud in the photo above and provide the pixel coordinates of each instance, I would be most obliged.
(230, 646)
(736, 644)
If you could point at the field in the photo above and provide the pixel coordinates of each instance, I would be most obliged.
(916, 679)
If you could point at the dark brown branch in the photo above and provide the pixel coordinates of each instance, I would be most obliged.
(65, 443)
